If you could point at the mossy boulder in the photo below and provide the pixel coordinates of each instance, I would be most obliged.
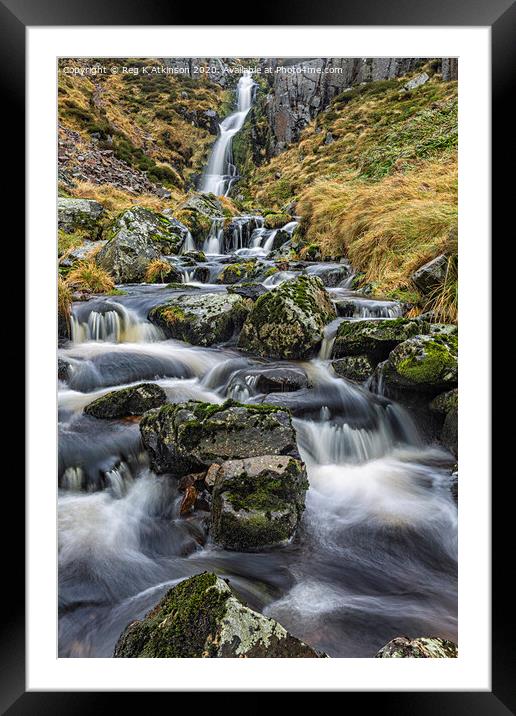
(356, 368)
(197, 214)
(189, 437)
(80, 214)
(195, 256)
(421, 648)
(375, 338)
(203, 319)
(201, 617)
(235, 273)
(288, 322)
(447, 405)
(135, 400)
(257, 502)
(276, 220)
(135, 238)
(423, 363)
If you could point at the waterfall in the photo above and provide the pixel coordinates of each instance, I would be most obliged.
(220, 173)
(213, 242)
(118, 325)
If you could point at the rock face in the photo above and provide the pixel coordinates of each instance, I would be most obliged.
(73, 214)
(135, 400)
(417, 81)
(136, 237)
(257, 502)
(374, 338)
(188, 437)
(303, 88)
(421, 648)
(431, 275)
(447, 405)
(357, 368)
(202, 319)
(423, 363)
(288, 322)
(201, 617)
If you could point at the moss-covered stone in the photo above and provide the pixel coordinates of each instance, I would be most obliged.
(201, 617)
(203, 319)
(83, 215)
(188, 437)
(375, 338)
(421, 648)
(357, 368)
(135, 238)
(288, 322)
(257, 502)
(425, 362)
(276, 220)
(447, 404)
(235, 273)
(135, 400)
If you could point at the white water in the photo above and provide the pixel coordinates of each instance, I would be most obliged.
(220, 173)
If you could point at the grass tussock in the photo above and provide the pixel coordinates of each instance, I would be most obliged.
(64, 297)
(390, 228)
(87, 276)
(156, 271)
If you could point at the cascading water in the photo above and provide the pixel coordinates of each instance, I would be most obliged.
(220, 173)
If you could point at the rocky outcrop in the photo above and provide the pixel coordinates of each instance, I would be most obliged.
(356, 368)
(135, 400)
(201, 617)
(426, 363)
(136, 237)
(374, 338)
(288, 322)
(303, 88)
(431, 275)
(197, 214)
(257, 502)
(421, 648)
(188, 437)
(202, 320)
(84, 214)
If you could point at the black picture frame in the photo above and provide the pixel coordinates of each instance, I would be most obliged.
(500, 16)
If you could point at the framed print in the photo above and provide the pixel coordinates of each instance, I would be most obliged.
(249, 398)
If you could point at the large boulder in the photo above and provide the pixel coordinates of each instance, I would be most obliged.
(136, 237)
(447, 405)
(257, 502)
(188, 437)
(83, 214)
(197, 214)
(333, 275)
(375, 338)
(202, 319)
(423, 363)
(135, 400)
(288, 322)
(201, 617)
(235, 273)
(421, 648)
(431, 275)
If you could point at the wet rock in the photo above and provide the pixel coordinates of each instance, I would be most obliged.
(357, 368)
(188, 437)
(136, 237)
(280, 380)
(201, 617)
(333, 275)
(421, 648)
(197, 214)
(288, 322)
(426, 363)
(203, 319)
(63, 369)
(189, 500)
(135, 400)
(431, 275)
(374, 338)
(257, 502)
(199, 256)
(447, 405)
(73, 214)
(235, 273)
(248, 290)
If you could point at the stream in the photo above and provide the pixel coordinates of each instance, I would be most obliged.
(376, 553)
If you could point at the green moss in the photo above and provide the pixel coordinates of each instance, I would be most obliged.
(67, 242)
(439, 359)
(183, 625)
(276, 220)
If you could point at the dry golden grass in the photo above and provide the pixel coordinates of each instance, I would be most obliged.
(156, 271)
(115, 200)
(64, 297)
(87, 276)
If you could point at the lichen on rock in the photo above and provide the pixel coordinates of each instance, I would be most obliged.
(135, 400)
(201, 617)
(421, 648)
(375, 338)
